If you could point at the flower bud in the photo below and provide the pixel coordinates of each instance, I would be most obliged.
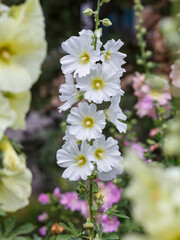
(88, 12)
(106, 22)
(88, 224)
(106, 1)
(98, 33)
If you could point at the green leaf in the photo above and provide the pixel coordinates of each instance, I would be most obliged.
(65, 226)
(24, 229)
(120, 215)
(110, 236)
(65, 236)
(9, 224)
(73, 228)
(100, 230)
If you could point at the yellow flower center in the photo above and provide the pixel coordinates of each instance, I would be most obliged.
(5, 53)
(81, 160)
(97, 83)
(85, 58)
(108, 56)
(99, 153)
(155, 93)
(88, 122)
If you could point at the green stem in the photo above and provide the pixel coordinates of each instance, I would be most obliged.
(97, 23)
(90, 208)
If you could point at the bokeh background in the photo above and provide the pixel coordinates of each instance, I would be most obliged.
(45, 126)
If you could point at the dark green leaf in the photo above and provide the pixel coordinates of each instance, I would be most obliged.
(111, 236)
(65, 226)
(9, 224)
(73, 228)
(100, 230)
(24, 229)
(65, 236)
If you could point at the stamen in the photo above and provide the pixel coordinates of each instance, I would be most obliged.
(88, 123)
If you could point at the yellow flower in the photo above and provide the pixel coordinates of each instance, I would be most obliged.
(155, 194)
(30, 14)
(20, 103)
(22, 51)
(15, 179)
(7, 115)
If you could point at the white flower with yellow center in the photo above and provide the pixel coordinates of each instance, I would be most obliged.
(69, 93)
(7, 115)
(22, 52)
(100, 84)
(82, 56)
(114, 114)
(111, 57)
(105, 153)
(75, 160)
(90, 34)
(86, 122)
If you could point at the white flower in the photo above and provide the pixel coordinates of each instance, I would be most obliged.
(90, 34)
(114, 113)
(100, 84)
(86, 122)
(75, 160)
(82, 56)
(69, 93)
(112, 57)
(68, 136)
(105, 153)
(7, 115)
(107, 176)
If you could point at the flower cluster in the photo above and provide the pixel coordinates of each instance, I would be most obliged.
(92, 74)
(22, 51)
(152, 92)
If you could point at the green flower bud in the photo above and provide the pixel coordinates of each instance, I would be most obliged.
(88, 12)
(106, 1)
(106, 22)
(98, 33)
(97, 237)
(88, 224)
(140, 62)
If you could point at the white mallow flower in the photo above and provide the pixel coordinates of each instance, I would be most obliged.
(100, 84)
(111, 56)
(82, 56)
(68, 137)
(86, 122)
(105, 153)
(114, 113)
(90, 34)
(107, 176)
(69, 93)
(75, 160)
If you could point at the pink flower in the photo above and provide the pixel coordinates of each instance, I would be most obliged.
(43, 217)
(144, 107)
(154, 147)
(153, 132)
(43, 231)
(175, 74)
(138, 80)
(43, 198)
(149, 161)
(108, 224)
(111, 193)
(138, 149)
(57, 192)
(70, 200)
(84, 208)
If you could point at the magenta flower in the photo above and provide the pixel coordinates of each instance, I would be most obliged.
(70, 200)
(111, 193)
(43, 217)
(43, 231)
(43, 198)
(57, 192)
(138, 149)
(108, 224)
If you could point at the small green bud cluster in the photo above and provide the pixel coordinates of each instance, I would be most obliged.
(88, 12)
(141, 32)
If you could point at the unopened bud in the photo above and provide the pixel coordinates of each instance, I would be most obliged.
(98, 33)
(106, 1)
(88, 224)
(106, 22)
(88, 12)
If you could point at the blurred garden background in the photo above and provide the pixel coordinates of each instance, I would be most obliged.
(46, 126)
